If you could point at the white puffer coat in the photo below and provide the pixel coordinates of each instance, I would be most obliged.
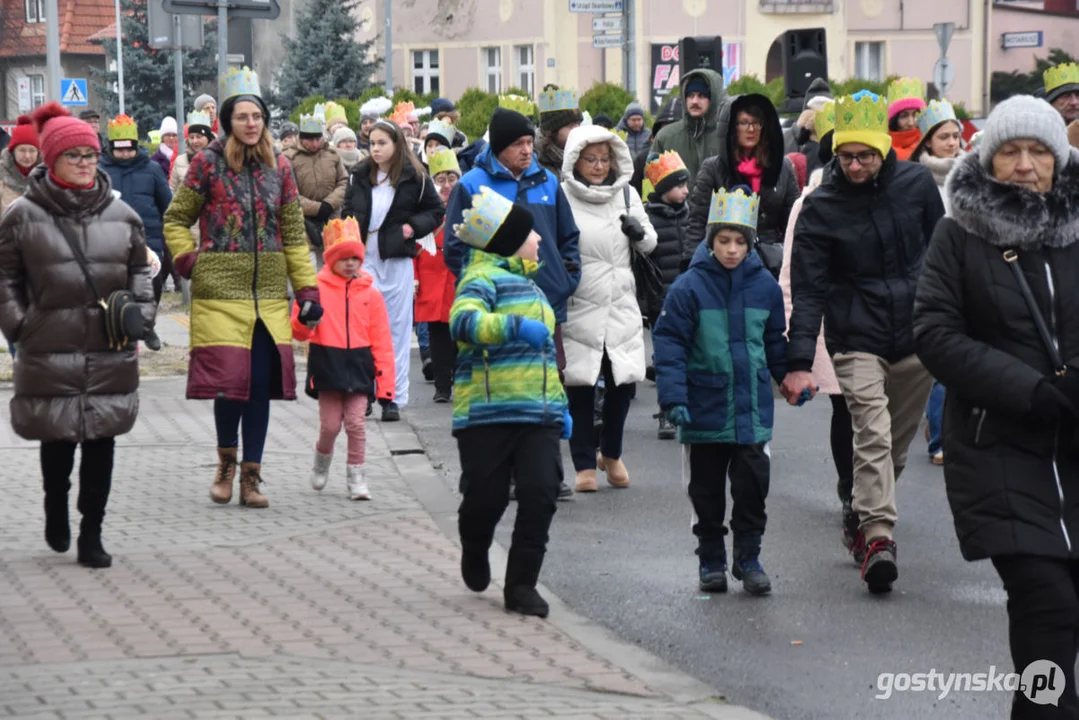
(603, 313)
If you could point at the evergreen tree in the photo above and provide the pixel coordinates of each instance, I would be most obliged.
(324, 57)
(149, 78)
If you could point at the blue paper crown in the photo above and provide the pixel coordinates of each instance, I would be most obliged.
(480, 222)
(198, 117)
(443, 129)
(311, 124)
(320, 111)
(935, 113)
(551, 100)
(240, 82)
(734, 208)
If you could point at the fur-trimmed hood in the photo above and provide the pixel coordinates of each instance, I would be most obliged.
(9, 173)
(1006, 215)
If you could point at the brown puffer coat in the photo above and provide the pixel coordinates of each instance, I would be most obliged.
(68, 384)
(320, 178)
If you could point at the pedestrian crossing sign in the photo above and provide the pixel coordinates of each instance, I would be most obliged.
(73, 91)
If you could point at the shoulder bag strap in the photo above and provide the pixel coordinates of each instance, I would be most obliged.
(80, 258)
(1011, 257)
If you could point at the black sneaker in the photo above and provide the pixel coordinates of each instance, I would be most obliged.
(390, 412)
(442, 397)
(666, 431)
(713, 576)
(475, 569)
(754, 580)
(565, 492)
(428, 370)
(525, 600)
(880, 569)
(152, 341)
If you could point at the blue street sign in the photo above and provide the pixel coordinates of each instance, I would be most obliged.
(73, 91)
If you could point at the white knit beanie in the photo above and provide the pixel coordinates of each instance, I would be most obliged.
(1025, 117)
(168, 125)
(341, 134)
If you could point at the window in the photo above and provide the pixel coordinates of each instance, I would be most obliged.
(425, 74)
(492, 68)
(869, 60)
(526, 68)
(35, 11)
(37, 90)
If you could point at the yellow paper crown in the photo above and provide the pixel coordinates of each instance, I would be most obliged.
(518, 104)
(622, 134)
(906, 89)
(1058, 75)
(123, 127)
(557, 99)
(734, 208)
(480, 222)
(864, 112)
(334, 113)
(663, 165)
(443, 160)
(824, 120)
(242, 81)
(338, 231)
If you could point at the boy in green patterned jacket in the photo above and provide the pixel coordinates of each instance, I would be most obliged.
(509, 409)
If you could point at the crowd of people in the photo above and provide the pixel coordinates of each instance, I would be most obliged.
(876, 251)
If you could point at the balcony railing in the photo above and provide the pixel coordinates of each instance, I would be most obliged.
(797, 6)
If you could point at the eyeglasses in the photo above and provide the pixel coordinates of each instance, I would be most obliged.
(255, 118)
(450, 181)
(597, 161)
(78, 158)
(749, 125)
(863, 158)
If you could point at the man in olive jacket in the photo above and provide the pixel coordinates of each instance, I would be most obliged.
(696, 136)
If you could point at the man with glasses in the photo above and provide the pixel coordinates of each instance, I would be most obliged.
(1062, 92)
(859, 244)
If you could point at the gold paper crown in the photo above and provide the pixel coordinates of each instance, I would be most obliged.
(906, 89)
(734, 208)
(557, 99)
(334, 112)
(824, 120)
(311, 124)
(443, 160)
(123, 127)
(862, 113)
(1058, 75)
(199, 117)
(338, 231)
(240, 82)
(518, 104)
(663, 165)
(480, 222)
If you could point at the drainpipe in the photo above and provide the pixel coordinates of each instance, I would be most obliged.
(987, 73)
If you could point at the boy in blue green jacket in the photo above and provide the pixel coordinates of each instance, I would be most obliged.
(718, 343)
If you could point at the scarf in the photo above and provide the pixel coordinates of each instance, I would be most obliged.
(165, 150)
(938, 166)
(24, 171)
(752, 172)
(68, 186)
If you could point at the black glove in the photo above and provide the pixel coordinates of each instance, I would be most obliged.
(1068, 385)
(310, 314)
(325, 212)
(1050, 404)
(571, 267)
(631, 228)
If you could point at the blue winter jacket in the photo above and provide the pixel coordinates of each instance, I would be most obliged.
(718, 343)
(539, 191)
(144, 187)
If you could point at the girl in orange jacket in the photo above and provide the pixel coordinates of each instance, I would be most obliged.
(351, 353)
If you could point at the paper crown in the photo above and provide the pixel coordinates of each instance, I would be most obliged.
(906, 89)
(663, 165)
(242, 81)
(861, 112)
(557, 99)
(443, 160)
(622, 134)
(480, 222)
(734, 208)
(199, 117)
(1058, 75)
(518, 104)
(824, 120)
(400, 115)
(311, 124)
(335, 113)
(123, 127)
(976, 140)
(338, 231)
(443, 129)
(935, 113)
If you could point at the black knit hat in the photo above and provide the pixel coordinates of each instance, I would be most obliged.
(225, 115)
(512, 233)
(676, 178)
(506, 128)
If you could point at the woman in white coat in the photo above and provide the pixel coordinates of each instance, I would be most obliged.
(603, 332)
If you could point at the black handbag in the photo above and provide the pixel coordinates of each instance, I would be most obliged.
(647, 276)
(124, 322)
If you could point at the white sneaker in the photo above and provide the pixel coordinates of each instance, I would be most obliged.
(320, 474)
(357, 486)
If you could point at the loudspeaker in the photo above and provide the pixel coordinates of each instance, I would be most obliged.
(805, 58)
(700, 52)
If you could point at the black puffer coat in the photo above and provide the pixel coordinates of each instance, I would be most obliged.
(670, 222)
(857, 255)
(415, 202)
(779, 187)
(1012, 479)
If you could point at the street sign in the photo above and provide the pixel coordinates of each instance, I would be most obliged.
(595, 6)
(26, 103)
(73, 91)
(944, 35)
(943, 75)
(256, 9)
(1021, 39)
(607, 24)
(165, 35)
(608, 41)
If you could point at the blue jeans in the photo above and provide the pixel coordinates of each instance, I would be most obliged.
(934, 413)
(424, 338)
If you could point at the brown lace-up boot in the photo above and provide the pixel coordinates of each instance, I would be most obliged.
(221, 490)
(250, 479)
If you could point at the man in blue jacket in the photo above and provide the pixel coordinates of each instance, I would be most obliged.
(508, 166)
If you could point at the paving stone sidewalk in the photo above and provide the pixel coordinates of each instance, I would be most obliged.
(315, 607)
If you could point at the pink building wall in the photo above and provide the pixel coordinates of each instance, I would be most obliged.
(1058, 31)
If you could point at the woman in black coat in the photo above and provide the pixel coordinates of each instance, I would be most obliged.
(395, 204)
(1010, 421)
(752, 156)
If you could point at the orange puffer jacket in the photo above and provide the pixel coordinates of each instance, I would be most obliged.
(351, 348)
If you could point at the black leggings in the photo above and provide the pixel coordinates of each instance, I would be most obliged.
(95, 476)
(443, 355)
(842, 437)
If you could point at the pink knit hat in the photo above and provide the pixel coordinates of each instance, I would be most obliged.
(905, 104)
(59, 132)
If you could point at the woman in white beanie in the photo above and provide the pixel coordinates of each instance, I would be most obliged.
(995, 322)
(344, 141)
(170, 143)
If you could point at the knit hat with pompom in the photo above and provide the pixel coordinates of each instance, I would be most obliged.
(59, 132)
(24, 134)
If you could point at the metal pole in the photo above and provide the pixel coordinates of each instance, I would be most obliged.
(119, 58)
(52, 50)
(389, 48)
(178, 78)
(222, 41)
(631, 45)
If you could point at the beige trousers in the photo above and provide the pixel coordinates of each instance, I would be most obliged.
(886, 403)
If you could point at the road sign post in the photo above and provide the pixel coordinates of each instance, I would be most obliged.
(944, 70)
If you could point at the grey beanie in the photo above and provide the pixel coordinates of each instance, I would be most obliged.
(203, 100)
(1024, 117)
(341, 134)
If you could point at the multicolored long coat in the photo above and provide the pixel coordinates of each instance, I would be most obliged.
(250, 244)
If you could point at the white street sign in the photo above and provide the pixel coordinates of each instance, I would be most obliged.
(595, 6)
(944, 75)
(944, 35)
(1021, 39)
(608, 41)
(25, 101)
(607, 24)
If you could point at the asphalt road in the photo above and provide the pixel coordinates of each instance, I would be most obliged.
(815, 647)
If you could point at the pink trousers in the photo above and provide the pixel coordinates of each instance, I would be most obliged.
(335, 408)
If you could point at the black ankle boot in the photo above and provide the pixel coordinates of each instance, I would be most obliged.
(475, 569)
(526, 600)
(91, 553)
(57, 524)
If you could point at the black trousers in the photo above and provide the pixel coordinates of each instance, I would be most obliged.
(443, 355)
(616, 401)
(166, 270)
(749, 468)
(1043, 624)
(490, 456)
(842, 441)
(95, 477)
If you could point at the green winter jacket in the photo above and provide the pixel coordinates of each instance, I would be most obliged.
(696, 139)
